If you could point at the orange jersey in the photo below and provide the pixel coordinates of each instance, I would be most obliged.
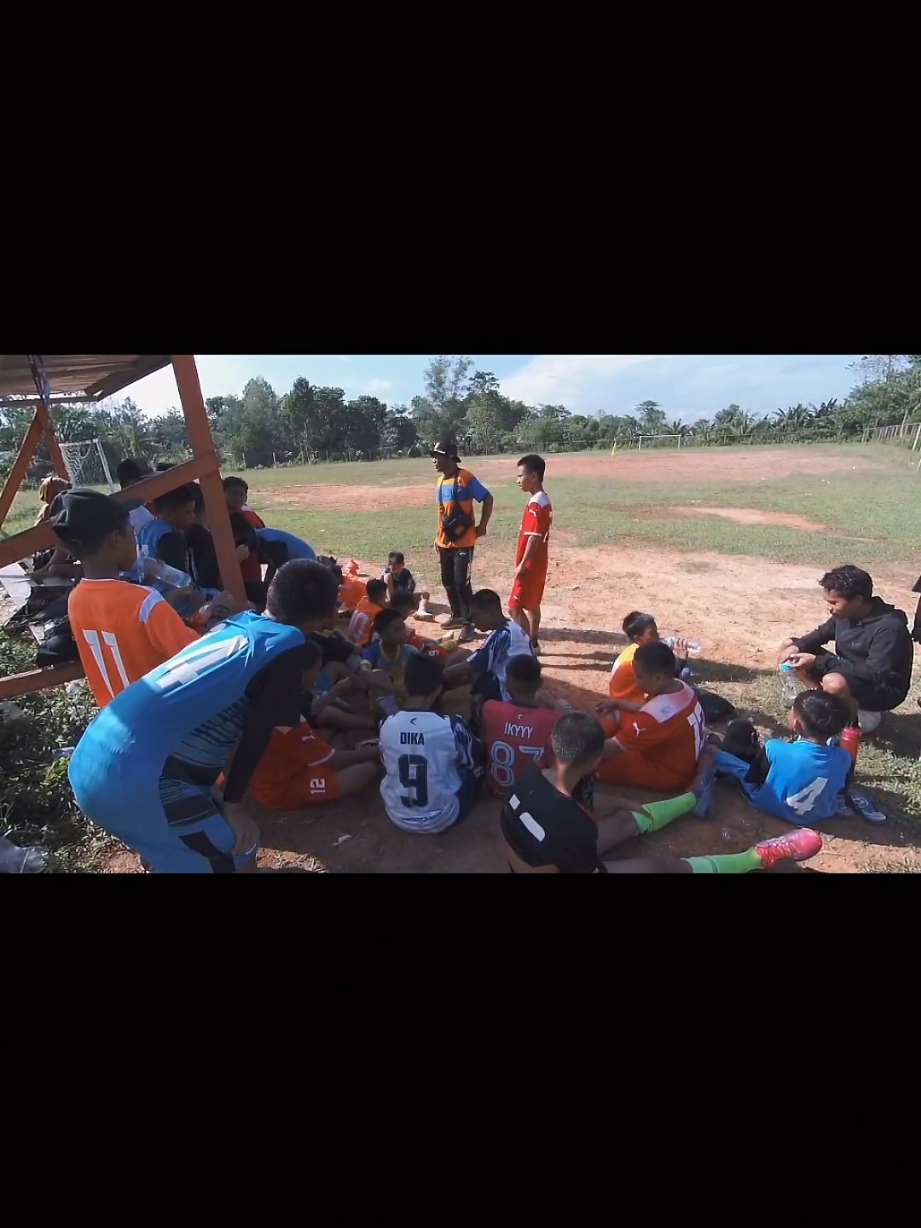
(361, 624)
(294, 770)
(663, 743)
(251, 568)
(427, 647)
(536, 522)
(122, 631)
(468, 489)
(515, 737)
(351, 592)
(623, 683)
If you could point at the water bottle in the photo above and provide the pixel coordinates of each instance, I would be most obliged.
(156, 571)
(788, 684)
(672, 640)
(850, 740)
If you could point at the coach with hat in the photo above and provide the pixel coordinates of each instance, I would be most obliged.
(458, 531)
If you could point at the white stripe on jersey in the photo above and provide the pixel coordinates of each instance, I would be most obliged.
(421, 753)
(502, 644)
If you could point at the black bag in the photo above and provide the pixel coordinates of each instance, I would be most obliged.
(458, 524)
(59, 646)
(715, 707)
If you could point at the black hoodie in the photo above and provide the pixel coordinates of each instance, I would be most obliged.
(877, 648)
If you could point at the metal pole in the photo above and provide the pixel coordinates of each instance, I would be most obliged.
(105, 464)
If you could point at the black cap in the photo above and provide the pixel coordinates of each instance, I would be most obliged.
(446, 447)
(85, 517)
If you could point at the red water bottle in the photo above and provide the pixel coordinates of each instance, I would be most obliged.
(850, 741)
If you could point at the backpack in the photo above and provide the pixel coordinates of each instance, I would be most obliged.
(715, 708)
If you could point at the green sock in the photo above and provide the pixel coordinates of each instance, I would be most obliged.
(726, 863)
(656, 815)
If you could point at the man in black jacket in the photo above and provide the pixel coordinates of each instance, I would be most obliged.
(871, 665)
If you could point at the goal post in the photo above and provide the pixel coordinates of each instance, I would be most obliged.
(87, 465)
(658, 441)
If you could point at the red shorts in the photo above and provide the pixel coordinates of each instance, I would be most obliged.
(314, 786)
(528, 591)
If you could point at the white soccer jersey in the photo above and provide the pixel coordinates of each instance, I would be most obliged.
(493, 657)
(423, 756)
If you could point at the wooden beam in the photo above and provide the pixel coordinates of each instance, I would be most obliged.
(20, 467)
(39, 679)
(202, 441)
(41, 537)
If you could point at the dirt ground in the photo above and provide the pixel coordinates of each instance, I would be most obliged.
(738, 607)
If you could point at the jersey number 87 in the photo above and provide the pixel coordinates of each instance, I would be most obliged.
(502, 761)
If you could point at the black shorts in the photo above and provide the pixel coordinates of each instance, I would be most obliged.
(869, 696)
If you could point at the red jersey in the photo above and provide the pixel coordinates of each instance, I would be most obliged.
(515, 737)
(536, 522)
(664, 741)
(122, 631)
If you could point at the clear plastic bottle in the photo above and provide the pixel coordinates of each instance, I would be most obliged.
(672, 640)
(788, 684)
(155, 570)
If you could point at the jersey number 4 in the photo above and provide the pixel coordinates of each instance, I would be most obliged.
(801, 803)
(414, 775)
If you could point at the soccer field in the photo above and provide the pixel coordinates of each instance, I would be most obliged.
(723, 545)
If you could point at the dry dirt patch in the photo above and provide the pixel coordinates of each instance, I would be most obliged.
(746, 515)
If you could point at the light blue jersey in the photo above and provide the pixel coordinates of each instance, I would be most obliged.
(149, 536)
(297, 549)
(803, 783)
(189, 711)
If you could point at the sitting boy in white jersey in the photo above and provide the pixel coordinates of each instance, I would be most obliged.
(432, 763)
(517, 733)
(487, 666)
(799, 782)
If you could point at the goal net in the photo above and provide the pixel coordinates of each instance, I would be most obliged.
(86, 464)
(658, 441)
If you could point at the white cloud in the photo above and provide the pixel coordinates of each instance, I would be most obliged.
(569, 379)
(375, 386)
(217, 373)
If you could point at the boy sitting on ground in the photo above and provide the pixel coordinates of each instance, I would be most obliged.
(399, 579)
(658, 743)
(486, 668)
(639, 629)
(300, 768)
(444, 650)
(517, 733)
(361, 624)
(385, 661)
(432, 763)
(546, 830)
(236, 492)
(799, 782)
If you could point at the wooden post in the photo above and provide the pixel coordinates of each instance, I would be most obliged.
(20, 465)
(196, 417)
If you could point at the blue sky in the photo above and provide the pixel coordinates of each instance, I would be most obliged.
(687, 386)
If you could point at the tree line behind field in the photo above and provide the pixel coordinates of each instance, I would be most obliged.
(312, 423)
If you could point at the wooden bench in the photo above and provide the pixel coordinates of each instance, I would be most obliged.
(18, 585)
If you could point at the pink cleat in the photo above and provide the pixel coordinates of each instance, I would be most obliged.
(797, 845)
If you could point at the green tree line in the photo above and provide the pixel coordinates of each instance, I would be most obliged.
(311, 423)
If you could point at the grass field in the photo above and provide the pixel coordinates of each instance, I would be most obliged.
(722, 544)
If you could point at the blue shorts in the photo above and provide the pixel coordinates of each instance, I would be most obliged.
(177, 828)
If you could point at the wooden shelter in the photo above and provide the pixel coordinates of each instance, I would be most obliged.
(47, 380)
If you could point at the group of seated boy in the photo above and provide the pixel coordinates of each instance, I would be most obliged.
(278, 702)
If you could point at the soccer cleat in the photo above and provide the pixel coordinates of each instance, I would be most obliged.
(868, 721)
(865, 808)
(797, 845)
(466, 635)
